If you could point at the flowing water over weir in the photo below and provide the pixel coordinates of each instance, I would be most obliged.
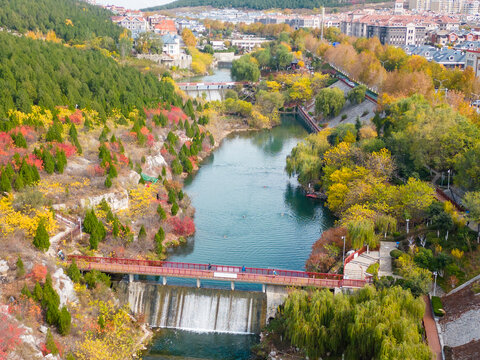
(203, 310)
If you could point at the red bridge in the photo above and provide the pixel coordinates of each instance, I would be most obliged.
(212, 84)
(214, 272)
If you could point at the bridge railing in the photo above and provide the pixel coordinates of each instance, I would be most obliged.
(354, 255)
(205, 267)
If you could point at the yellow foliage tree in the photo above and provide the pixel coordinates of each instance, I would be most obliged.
(51, 36)
(188, 38)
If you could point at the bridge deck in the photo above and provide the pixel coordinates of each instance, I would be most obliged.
(214, 272)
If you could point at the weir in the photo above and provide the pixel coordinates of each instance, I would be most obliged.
(197, 309)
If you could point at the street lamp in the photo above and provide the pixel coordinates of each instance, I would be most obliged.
(448, 181)
(408, 229)
(441, 85)
(435, 282)
(343, 262)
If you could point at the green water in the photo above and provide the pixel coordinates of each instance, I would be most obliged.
(248, 212)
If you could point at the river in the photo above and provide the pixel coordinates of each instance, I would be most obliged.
(248, 212)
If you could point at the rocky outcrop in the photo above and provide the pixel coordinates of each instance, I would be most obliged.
(64, 287)
(116, 200)
(153, 165)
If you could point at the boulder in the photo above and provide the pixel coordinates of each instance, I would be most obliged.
(133, 177)
(3, 267)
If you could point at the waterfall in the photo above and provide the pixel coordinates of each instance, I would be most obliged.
(203, 310)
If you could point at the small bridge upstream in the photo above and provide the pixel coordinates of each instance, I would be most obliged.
(233, 274)
(197, 86)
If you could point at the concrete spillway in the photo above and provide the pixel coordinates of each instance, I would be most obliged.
(196, 309)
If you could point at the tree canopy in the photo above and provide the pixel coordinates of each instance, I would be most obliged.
(71, 20)
(48, 74)
(357, 325)
(245, 68)
(253, 4)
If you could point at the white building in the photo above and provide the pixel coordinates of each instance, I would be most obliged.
(171, 45)
(248, 43)
(136, 24)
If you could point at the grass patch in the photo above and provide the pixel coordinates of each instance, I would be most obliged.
(437, 306)
(373, 269)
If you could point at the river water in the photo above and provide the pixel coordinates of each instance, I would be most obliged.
(248, 212)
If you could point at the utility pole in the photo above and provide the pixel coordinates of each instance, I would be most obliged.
(343, 262)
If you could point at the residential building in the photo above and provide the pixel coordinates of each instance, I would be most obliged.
(473, 60)
(165, 27)
(171, 44)
(450, 58)
(394, 30)
(248, 43)
(136, 24)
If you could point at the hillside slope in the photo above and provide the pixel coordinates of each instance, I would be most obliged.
(259, 5)
(72, 20)
(35, 72)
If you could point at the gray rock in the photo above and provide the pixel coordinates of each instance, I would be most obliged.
(3, 267)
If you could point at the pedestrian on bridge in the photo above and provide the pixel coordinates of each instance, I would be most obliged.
(243, 268)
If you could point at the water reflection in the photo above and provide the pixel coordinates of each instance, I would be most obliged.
(185, 345)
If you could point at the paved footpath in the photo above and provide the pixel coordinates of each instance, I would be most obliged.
(431, 330)
(385, 268)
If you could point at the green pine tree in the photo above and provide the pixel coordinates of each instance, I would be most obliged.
(73, 131)
(175, 209)
(112, 172)
(41, 239)
(38, 292)
(161, 212)
(26, 172)
(48, 161)
(73, 272)
(90, 221)
(108, 182)
(61, 161)
(87, 125)
(116, 228)
(18, 183)
(54, 132)
(64, 321)
(19, 140)
(51, 312)
(20, 267)
(159, 237)
(5, 182)
(142, 234)
(26, 291)
(50, 343)
(94, 240)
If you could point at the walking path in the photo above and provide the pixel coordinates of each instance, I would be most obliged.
(431, 330)
(385, 258)
(357, 267)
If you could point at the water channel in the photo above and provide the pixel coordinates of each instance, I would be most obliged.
(248, 212)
